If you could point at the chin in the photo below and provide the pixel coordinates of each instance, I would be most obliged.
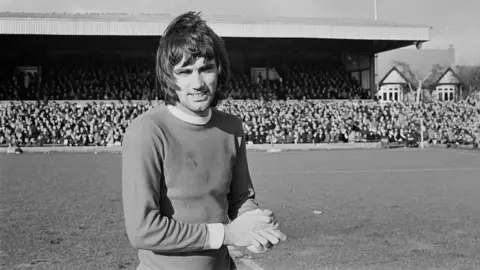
(201, 106)
(200, 109)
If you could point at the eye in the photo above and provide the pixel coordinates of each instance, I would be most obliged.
(208, 68)
(184, 72)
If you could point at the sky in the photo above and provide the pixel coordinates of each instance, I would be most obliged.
(454, 22)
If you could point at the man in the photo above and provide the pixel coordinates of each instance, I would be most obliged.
(187, 192)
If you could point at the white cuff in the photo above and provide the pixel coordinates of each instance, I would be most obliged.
(215, 236)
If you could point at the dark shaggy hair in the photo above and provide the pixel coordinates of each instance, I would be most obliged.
(189, 35)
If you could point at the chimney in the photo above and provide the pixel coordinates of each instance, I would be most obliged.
(451, 54)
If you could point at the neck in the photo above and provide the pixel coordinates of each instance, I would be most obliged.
(192, 113)
(190, 117)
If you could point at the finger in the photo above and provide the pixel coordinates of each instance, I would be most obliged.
(269, 235)
(254, 243)
(264, 212)
(263, 219)
(278, 234)
(255, 249)
(254, 212)
(273, 226)
(262, 240)
(267, 212)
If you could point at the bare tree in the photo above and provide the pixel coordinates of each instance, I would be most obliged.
(470, 76)
(418, 79)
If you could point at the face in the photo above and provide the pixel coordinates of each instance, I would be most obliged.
(197, 83)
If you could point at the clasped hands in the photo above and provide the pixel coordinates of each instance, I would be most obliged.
(257, 230)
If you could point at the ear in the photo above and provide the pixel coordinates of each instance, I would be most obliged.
(219, 71)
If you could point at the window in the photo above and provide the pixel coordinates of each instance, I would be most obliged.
(365, 79)
(384, 96)
(396, 96)
(390, 96)
(451, 95)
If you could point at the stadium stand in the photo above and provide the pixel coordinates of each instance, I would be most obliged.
(90, 100)
(272, 122)
(310, 104)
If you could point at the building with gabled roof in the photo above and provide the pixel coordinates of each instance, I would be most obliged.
(421, 60)
(448, 87)
(393, 86)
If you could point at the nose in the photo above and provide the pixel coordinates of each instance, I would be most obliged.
(197, 81)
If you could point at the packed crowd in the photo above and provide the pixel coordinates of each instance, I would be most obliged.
(300, 82)
(77, 79)
(74, 79)
(270, 122)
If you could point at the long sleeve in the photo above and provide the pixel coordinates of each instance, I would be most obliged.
(146, 228)
(242, 194)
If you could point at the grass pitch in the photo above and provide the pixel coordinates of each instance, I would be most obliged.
(345, 209)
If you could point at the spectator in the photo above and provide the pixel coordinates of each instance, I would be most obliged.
(294, 121)
(112, 78)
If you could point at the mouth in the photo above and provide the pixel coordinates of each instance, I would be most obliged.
(199, 94)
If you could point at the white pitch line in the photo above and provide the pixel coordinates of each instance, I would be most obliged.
(249, 263)
(368, 171)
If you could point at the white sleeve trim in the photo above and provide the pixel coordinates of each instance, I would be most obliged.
(215, 236)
